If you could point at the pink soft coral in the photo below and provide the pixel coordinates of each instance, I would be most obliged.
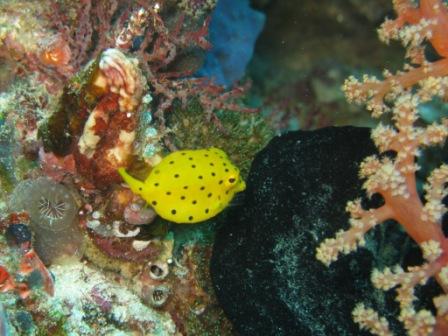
(413, 25)
(394, 178)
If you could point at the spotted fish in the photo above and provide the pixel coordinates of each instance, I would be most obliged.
(189, 186)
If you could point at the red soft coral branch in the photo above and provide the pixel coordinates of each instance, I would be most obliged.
(394, 178)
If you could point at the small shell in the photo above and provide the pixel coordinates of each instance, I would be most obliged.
(140, 245)
(93, 224)
(119, 234)
(135, 214)
(96, 215)
(158, 270)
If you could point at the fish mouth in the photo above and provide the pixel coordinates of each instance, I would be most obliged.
(241, 185)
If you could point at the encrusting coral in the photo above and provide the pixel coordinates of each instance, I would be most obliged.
(393, 177)
(52, 209)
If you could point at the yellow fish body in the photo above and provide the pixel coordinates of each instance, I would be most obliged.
(189, 186)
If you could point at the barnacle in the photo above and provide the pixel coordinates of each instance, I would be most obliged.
(157, 295)
(158, 270)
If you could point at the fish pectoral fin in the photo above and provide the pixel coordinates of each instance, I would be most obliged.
(135, 185)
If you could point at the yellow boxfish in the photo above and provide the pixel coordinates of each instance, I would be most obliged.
(189, 186)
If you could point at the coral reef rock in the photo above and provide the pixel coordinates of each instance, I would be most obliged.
(263, 266)
(89, 303)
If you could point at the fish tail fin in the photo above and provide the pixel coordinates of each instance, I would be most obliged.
(135, 185)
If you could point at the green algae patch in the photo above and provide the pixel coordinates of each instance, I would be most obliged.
(240, 135)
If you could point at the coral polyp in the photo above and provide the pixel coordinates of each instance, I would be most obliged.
(49, 204)
(51, 210)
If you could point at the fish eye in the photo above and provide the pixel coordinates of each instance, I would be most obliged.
(230, 180)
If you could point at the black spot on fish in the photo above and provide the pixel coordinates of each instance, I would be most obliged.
(173, 211)
(200, 177)
(194, 202)
(220, 181)
(190, 218)
(176, 175)
(206, 155)
(168, 193)
(183, 153)
(171, 162)
(154, 203)
(206, 211)
(156, 184)
(213, 174)
(185, 187)
(182, 197)
(211, 164)
(226, 170)
(202, 188)
(190, 158)
(209, 195)
(193, 166)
